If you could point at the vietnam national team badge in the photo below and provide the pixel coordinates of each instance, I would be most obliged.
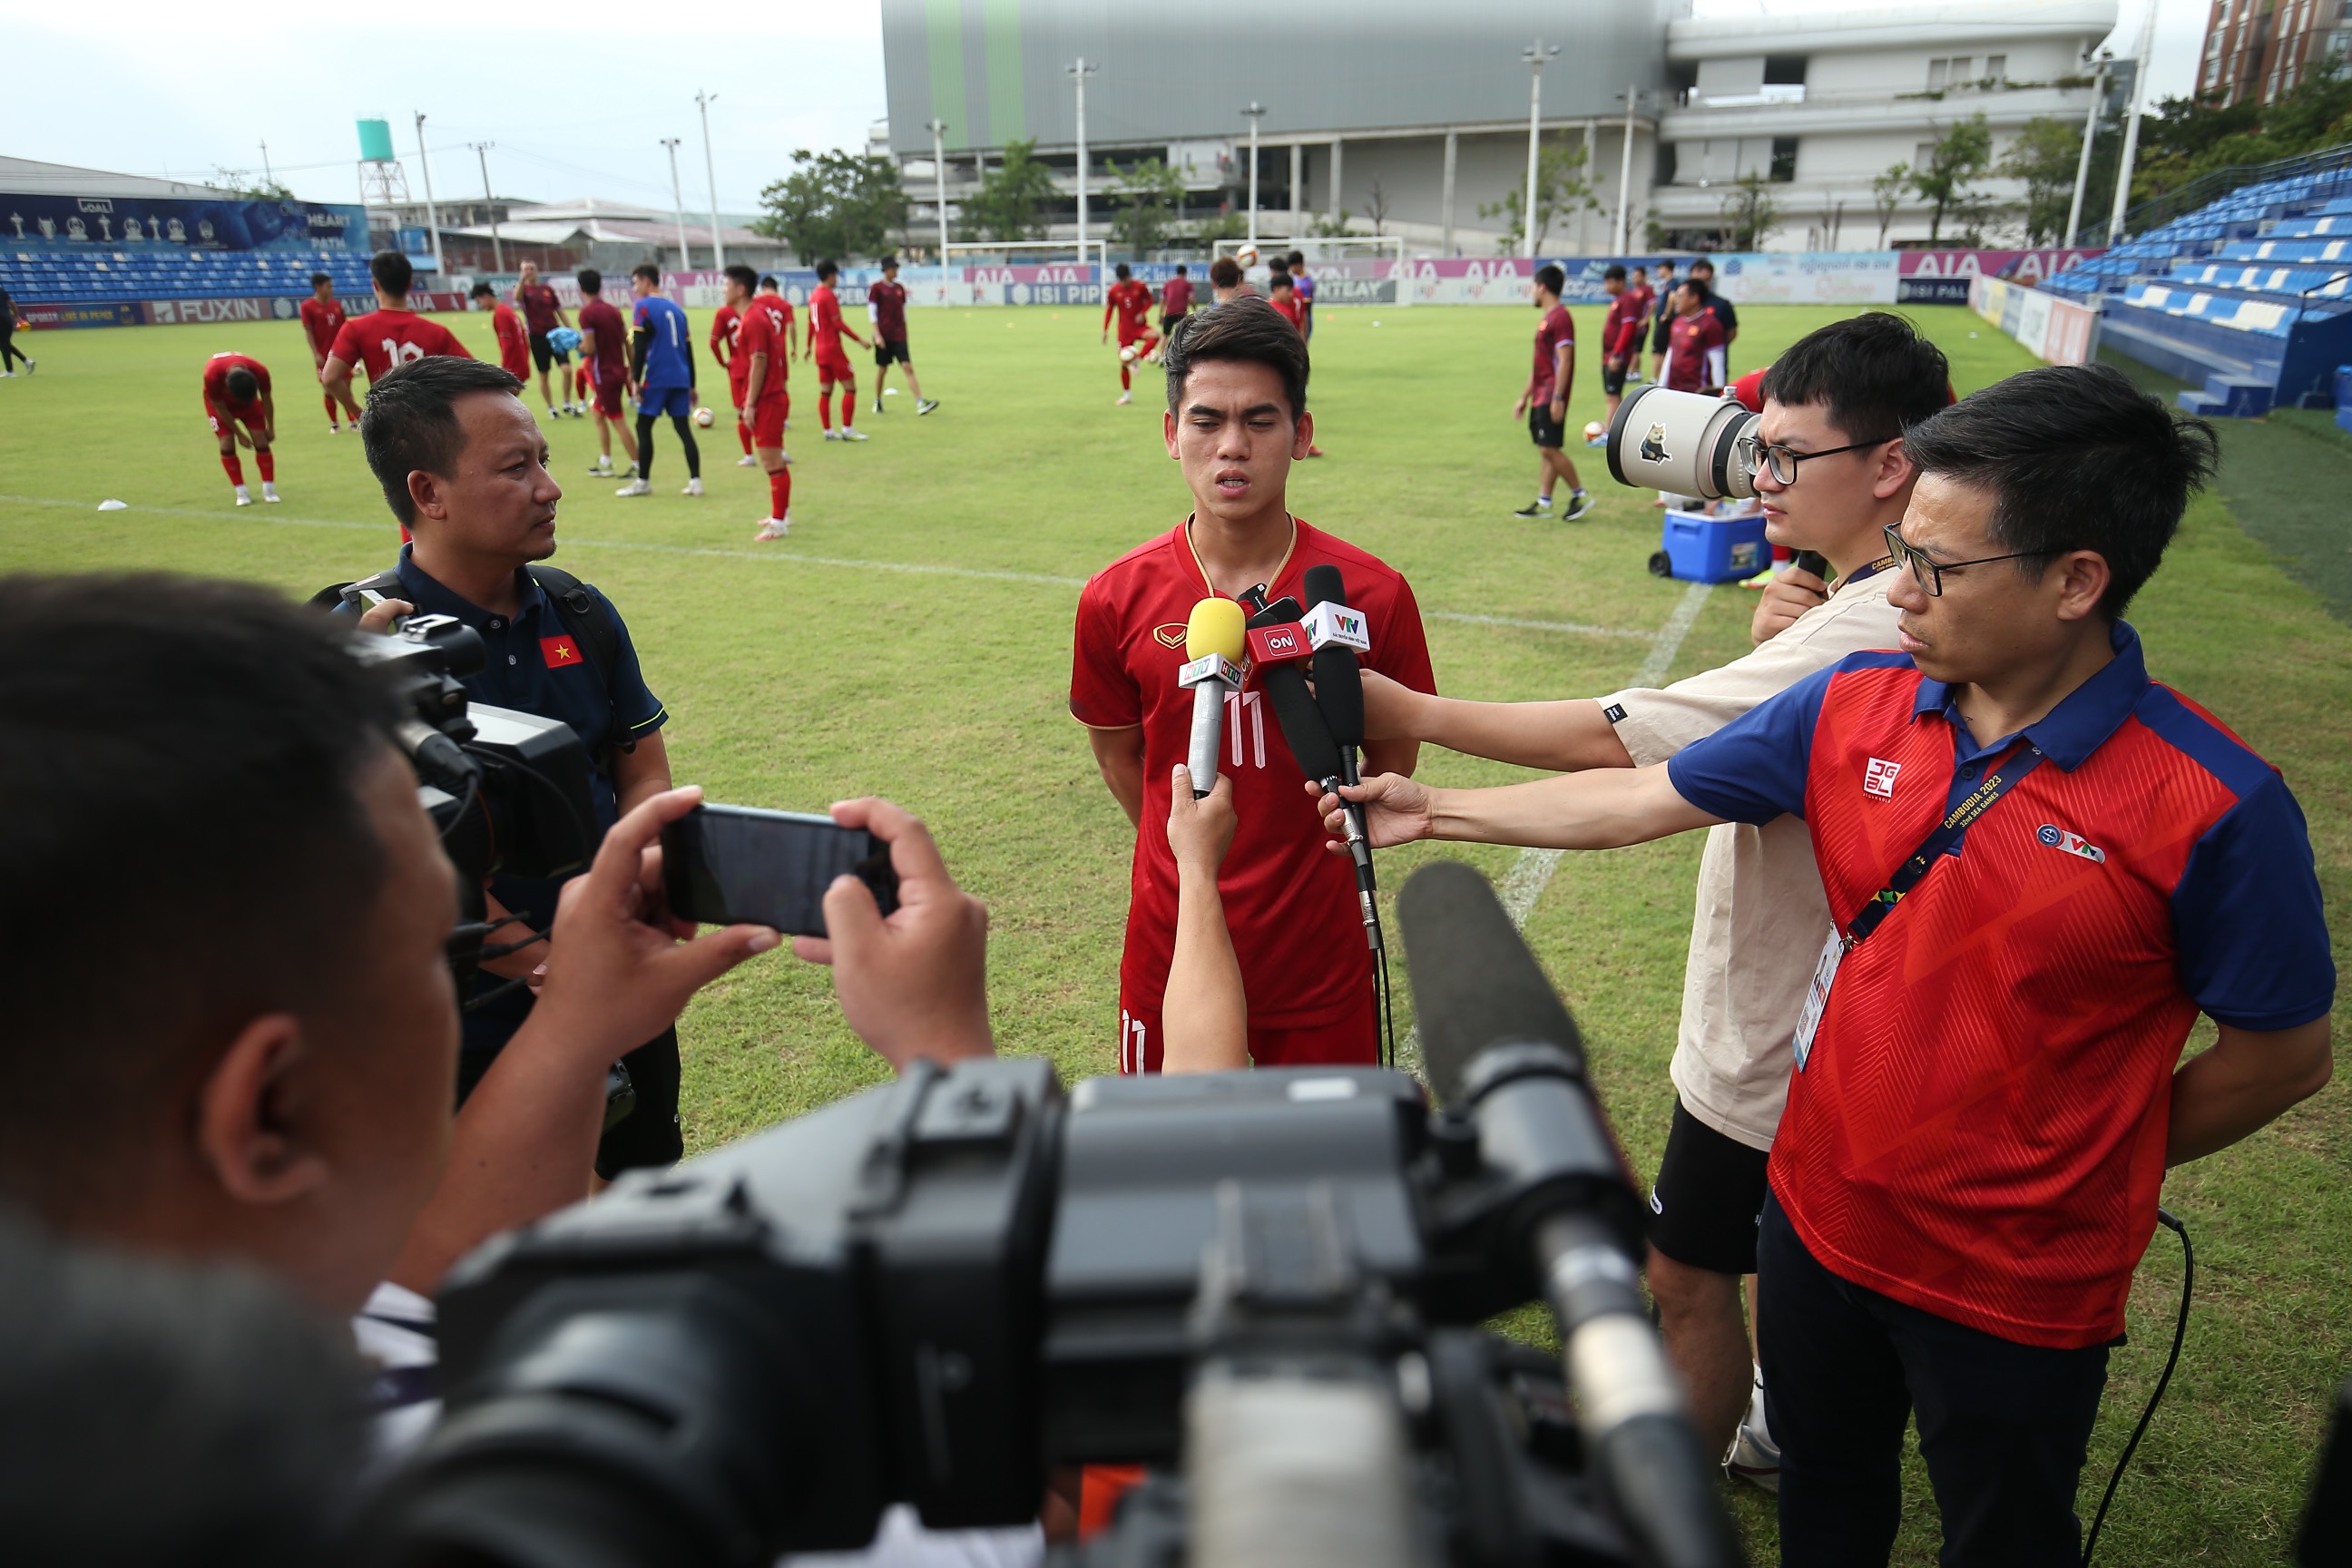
(1878, 778)
(2056, 837)
(559, 652)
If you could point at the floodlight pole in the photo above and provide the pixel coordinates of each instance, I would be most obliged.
(489, 205)
(677, 202)
(1625, 172)
(2131, 127)
(703, 100)
(938, 130)
(1535, 57)
(266, 177)
(1254, 113)
(1078, 73)
(2082, 164)
(432, 214)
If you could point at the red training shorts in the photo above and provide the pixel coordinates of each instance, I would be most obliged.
(250, 418)
(608, 398)
(1350, 1041)
(833, 367)
(767, 423)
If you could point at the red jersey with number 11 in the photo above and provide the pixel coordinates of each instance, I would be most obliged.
(382, 339)
(1290, 903)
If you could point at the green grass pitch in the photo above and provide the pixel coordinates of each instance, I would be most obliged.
(912, 638)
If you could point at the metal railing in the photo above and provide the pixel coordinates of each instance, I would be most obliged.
(2208, 188)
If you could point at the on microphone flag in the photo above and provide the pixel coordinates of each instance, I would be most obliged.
(1272, 645)
(1329, 624)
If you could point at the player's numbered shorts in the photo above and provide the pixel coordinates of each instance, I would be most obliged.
(833, 367)
(1541, 428)
(1708, 1198)
(608, 397)
(767, 422)
(250, 418)
(544, 353)
(886, 352)
(1350, 1041)
(678, 402)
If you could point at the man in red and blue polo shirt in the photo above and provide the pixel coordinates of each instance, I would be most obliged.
(2042, 865)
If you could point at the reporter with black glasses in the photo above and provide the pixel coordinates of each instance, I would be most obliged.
(2041, 865)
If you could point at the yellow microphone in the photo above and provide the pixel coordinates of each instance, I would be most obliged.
(1213, 636)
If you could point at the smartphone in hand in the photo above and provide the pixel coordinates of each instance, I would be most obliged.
(726, 864)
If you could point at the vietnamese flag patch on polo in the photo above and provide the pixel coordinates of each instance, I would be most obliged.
(559, 652)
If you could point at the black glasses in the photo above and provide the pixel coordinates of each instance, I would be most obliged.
(1784, 461)
(1929, 575)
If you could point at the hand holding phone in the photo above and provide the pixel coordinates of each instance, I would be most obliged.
(725, 864)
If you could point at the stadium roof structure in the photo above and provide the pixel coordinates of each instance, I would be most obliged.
(609, 222)
(28, 177)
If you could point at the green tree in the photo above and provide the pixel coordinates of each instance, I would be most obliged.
(834, 203)
(2191, 137)
(1959, 155)
(1010, 203)
(1561, 189)
(242, 182)
(1227, 224)
(1147, 192)
(1886, 193)
(2046, 155)
(1750, 214)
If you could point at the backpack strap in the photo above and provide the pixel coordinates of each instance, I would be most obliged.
(330, 597)
(596, 626)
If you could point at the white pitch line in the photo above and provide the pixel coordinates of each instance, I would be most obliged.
(1524, 883)
(794, 557)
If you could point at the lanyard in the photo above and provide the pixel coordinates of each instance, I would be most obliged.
(1947, 833)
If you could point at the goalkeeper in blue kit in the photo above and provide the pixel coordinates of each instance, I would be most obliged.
(661, 367)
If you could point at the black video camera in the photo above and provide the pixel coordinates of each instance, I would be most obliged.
(508, 790)
(1266, 1285)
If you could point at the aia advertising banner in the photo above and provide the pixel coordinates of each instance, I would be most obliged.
(1942, 276)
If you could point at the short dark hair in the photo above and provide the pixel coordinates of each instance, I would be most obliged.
(2075, 458)
(1692, 284)
(484, 292)
(318, 278)
(739, 273)
(1615, 270)
(826, 270)
(1665, 264)
(591, 282)
(649, 271)
(1296, 259)
(1643, 270)
(1872, 376)
(182, 759)
(1549, 275)
(1179, 269)
(767, 280)
(1224, 272)
(242, 383)
(1280, 280)
(392, 272)
(1121, 271)
(1703, 265)
(1247, 330)
(411, 421)
(886, 263)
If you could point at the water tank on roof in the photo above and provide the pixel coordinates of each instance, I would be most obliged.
(375, 140)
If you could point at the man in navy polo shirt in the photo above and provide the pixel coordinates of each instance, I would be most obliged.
(2042, 865)
(463, 466)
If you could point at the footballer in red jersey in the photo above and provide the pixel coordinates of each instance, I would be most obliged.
(604, 361)
(237, 392)
(542, 312)
(1236, 423)
(826, 328)
(388, 335)
(1620, 335)
(756, 378)
(514, 347)
(1130, 302)
(322, 317)
(885, 306)
(723, 324)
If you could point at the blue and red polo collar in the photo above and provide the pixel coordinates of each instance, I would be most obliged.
(2081, 723)
(433, 598)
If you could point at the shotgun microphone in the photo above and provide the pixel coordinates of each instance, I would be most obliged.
(1212, 651)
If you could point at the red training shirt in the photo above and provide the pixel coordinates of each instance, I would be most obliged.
(722, 337)
(1294, 311)
(889, 303)
(322, 320)
(1176, 297)
(216, 371)
(382, 339)
(540, 306)
(1978, 1128)
(762, 330)
(1554, 329)
(1620, 330)
(611, 358)
(514, 345)
(1132, 301)
(826, 325)
(1688, 342)
(1290, 903)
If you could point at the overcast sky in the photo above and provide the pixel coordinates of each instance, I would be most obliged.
(576, 95)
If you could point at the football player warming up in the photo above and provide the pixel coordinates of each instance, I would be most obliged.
(763, 328)
(236, 394)
(322, 317)
(1130, 300)
(826, 328)
(724, 323)
(604, 351)
(663, 351)
(391, 335)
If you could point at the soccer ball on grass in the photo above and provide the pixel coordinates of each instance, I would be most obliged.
(1594, 430)
(702, 417)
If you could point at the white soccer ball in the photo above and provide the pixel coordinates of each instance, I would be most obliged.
(703, 416)
(1127, 354)
(1246, 257)
(1594, 430)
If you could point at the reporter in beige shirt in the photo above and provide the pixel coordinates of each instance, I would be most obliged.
(1830, 475)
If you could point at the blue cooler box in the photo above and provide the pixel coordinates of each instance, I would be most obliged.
(1702, 549)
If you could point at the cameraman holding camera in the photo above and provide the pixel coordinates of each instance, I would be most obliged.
(463, 466)
(1831, 474)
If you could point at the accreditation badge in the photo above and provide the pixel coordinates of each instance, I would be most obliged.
(1817, 995)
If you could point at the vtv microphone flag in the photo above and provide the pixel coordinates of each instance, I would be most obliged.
(1337, 632)
(1213, 635)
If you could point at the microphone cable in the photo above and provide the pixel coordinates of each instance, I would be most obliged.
(2171, 1222)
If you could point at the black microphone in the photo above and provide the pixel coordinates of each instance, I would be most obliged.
(1317, 755)
(1340, 694)
(1501, 1047)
